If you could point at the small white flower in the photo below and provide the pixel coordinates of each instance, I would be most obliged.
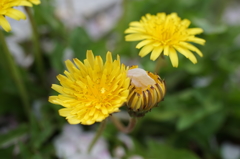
(73, 144)
(230, 151)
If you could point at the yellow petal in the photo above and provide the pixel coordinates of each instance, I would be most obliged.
(4, 23)
(135, 37)
(166, 50)
(24, 3)
(53, 99)
(90, 57)
(194, 31)
(74, 120)
(173, 57)
(89, 122)
(135, 24)
(101, 117)
(142, 43)
(58, 88)
(181, 50)
(134, 30)
(70, 66)
(196, 40)
(64, 112)
(109, 57)
(80, 65)
(15, 14)
(186, 22)
(161, 15)
(156, 53)
(145, 50)
(188, 54)
(36, 2)
(191, 47)
(191, 57)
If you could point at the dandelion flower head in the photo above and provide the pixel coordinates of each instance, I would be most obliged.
(166, 34)
(92, 90)
(145, 92)
(7, 9)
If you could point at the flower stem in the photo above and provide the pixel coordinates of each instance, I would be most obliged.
(97, 135)
(36, 42)
(15, 75)
(159, 64)
(121, 127)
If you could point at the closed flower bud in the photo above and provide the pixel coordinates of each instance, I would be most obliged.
(145, 92)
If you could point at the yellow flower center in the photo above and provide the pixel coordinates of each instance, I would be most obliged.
(103, 90)
(166, 34)
(92, 90)
(2, 5)
(166, 31)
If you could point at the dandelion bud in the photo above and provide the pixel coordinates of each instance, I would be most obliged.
(145, 92)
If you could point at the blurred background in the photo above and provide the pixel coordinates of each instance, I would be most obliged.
(199, 118)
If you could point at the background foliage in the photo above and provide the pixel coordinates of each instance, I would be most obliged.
(200, 112)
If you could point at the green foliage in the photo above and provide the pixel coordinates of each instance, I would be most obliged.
(154, 150)
(163, 151)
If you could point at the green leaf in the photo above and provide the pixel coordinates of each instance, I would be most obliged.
(41, 131)
(25, 151)
(56, 58)
(11, 136)
(162, 151)
(189, 118)
(79, 42)
(210, 28)
(41, 137)
(7, 152)
(155, 150)
(37, 156)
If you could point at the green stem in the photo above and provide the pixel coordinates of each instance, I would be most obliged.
(121, 127)
(97, 135)
(15, 75)
(159, 64)
(36, 42)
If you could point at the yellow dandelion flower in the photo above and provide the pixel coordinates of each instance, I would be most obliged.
(36, 2)
(6, 9)
(165, 33)
(145, 92)
(91, 91)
